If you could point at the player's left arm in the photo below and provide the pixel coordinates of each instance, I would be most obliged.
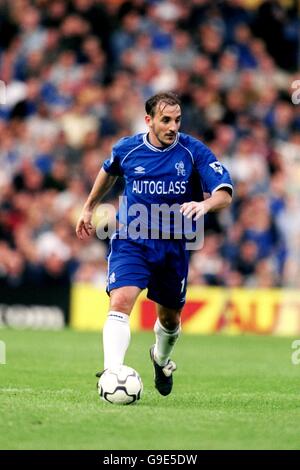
(215, 180)
(220, 199)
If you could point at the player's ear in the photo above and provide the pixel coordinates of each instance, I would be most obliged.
(148, 120)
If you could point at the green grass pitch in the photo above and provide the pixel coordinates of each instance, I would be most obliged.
(239, 392)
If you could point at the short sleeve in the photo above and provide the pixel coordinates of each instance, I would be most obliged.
(112, 165)
(213, 174)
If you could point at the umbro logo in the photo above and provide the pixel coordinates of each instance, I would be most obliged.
(217, 167)
(139, 170)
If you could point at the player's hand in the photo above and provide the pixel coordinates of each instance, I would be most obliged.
(193, 208)
(84, 225)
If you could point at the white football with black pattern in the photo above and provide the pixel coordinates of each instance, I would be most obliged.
(121, 385)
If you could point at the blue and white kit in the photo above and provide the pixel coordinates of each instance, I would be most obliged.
(158, 178)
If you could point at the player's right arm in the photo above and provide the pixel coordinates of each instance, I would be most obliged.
(107, 176)
(102, 185)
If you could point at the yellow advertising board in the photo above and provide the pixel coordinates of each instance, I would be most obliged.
(208, 310)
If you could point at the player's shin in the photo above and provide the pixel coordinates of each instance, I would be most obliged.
(165, 342)
(116, 338)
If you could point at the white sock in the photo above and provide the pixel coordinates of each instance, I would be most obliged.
(165, 341)
(116, 338)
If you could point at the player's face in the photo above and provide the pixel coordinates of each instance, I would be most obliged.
(164, 125)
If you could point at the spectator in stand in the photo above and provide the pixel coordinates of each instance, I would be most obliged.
(69, 67)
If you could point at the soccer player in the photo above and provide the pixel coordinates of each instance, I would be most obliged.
(159, 168)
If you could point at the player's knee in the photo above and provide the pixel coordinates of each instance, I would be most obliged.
(121, 302)
(170, 319)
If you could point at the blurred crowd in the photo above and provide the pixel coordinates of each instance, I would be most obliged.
(77, 74)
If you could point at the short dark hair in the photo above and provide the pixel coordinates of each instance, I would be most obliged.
(169, 98)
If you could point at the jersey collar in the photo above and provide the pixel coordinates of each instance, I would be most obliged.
(155, 149)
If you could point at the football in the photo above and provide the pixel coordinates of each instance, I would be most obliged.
(121, 385)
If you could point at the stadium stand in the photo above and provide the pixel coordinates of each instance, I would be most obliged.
(77, 74)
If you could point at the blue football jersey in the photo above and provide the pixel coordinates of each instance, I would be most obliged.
(158, 179)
